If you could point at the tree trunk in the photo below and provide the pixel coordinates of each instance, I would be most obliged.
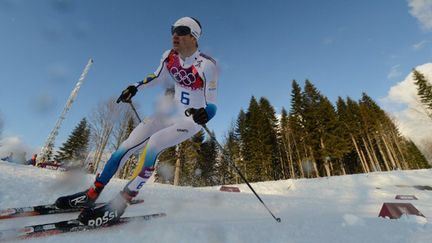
(359, 154)
(298, 157)
(364, 158)
(284, 169)
(314, 162)
(331, 168)
(177, 167)
(281, 160)
(395, 155)
(290, 158)
(389, 153)
(393, 151)
(315, 168)
(104, 141)
(369, 154)
(383, 156)
(342, 167)
(377, 164)
(326, 162)
(291, 163)
(396, 141)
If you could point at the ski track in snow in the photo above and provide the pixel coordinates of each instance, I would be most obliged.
(335, 209)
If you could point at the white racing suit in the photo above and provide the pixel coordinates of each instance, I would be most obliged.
(195, 86)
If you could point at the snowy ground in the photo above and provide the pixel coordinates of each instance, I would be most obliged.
(336, 209)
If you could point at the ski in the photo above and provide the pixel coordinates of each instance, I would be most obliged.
(40, 230)
(43, 210)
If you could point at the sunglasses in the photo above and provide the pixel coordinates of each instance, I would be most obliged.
(180, 30)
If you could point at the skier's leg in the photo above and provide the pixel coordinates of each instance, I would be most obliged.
(182, 130)
(136, 140)
(162, 139)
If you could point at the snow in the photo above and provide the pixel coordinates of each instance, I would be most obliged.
(335, 209)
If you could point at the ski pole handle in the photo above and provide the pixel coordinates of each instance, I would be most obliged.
(118, 100)
(189, 112)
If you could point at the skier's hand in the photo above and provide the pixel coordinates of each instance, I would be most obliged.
(127, 94)
(199, 116)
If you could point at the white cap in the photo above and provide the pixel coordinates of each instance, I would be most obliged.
(192, 23)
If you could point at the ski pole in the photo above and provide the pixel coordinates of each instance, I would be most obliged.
(189, 112)
(120, 99)
(135, 111)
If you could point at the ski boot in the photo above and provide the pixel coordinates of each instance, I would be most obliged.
(84, 199)
(108, 213)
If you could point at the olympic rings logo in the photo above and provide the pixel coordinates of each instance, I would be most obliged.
(182, 76)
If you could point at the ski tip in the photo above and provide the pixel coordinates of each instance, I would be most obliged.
(137, 201)
(7, 212)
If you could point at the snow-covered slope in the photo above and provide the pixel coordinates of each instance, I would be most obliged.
(336, 209)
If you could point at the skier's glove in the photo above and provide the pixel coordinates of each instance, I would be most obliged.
(199, 116)
(127, 94)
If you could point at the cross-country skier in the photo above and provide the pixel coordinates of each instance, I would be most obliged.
(194, 76)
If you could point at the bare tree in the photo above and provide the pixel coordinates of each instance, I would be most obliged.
(121, 132)
(122, 128)
(103, 120)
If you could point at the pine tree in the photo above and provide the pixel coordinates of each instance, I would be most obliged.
(75, 148)
(224, 171)
(372, 118)
(166, 165)
(424, 90)
(286, 146)
(297, 131)
(240, 134)
(271, 136)
(189, 153)
(254, 159)
(347, 149)
(385, 132)
(331, 143)
(313, 126)
(416, 159)
(206, 163)
(257, 135)
(353, 119)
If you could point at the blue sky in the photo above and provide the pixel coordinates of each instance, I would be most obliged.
(344, 47)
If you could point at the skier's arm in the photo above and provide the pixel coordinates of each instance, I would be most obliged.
(211, 78)
(157, 77)
(150, 80)
(202, 115)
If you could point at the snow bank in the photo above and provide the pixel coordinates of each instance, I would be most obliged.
(336, 209)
